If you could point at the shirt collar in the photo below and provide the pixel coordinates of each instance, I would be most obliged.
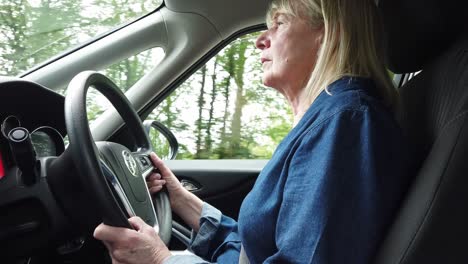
(348, 83)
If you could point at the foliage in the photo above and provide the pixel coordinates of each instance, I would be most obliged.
(223, 111)
(32, 31)
(160, 144)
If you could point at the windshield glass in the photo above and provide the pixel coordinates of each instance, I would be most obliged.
(32, 31)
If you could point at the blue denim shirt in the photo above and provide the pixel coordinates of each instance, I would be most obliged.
(328, 193)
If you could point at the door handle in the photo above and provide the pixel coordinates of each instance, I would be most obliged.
(189, 185)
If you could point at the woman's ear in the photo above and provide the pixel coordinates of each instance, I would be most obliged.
(320, 35)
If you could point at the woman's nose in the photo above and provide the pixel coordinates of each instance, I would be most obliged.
(263, 41)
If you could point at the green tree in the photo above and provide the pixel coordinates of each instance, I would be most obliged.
(227, 63)
(27, 32)
(210, 123)
(199, 121)
(34, 31)
(238, 77)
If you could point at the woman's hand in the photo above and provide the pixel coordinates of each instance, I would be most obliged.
(165, 177)
(139, 246)
(184, 203)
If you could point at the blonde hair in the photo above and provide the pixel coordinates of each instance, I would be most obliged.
(350, 47)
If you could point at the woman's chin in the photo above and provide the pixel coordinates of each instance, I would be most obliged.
(267, 81)
(272, 85)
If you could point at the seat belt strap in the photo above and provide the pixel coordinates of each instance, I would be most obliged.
(243, 257)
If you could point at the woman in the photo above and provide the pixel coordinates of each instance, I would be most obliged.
(334, 182)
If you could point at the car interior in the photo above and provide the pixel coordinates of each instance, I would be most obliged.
(52, 199)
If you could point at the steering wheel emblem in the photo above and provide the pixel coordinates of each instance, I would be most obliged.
(130, 162)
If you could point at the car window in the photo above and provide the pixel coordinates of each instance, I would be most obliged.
(33, 31)
(223, 111)
(124, 74)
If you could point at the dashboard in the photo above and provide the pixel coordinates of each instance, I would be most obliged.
(30, 211)
(46, 207)
(39, 110)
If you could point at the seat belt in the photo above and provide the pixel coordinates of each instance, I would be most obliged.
(243, 257)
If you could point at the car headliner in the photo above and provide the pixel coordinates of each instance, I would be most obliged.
(228, 16)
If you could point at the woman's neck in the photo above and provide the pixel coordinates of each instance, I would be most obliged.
(297, 100)
(299, 105)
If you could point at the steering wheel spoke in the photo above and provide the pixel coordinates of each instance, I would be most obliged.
(117, 189)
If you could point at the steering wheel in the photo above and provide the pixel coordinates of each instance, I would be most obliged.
(114, 175)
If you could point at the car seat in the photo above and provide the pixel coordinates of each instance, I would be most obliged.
(431, 36)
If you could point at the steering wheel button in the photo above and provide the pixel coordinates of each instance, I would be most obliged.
(144, 162)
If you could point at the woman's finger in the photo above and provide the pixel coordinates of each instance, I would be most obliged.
(155, 189)
(154, 176)
(110, 233)
(156, 183)
(136, 222)
(158, 163)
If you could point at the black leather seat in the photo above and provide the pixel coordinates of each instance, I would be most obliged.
(431, 35)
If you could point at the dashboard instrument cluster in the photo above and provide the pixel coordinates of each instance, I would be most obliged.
(46, 141)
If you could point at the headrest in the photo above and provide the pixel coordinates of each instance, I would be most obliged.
(417, 31)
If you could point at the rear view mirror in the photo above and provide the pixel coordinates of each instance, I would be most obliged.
(162, 140)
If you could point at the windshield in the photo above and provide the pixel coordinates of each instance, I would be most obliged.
(33, 31)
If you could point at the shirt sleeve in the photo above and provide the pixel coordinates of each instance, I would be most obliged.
(185, 259)
(336, 196)
(217, 239)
